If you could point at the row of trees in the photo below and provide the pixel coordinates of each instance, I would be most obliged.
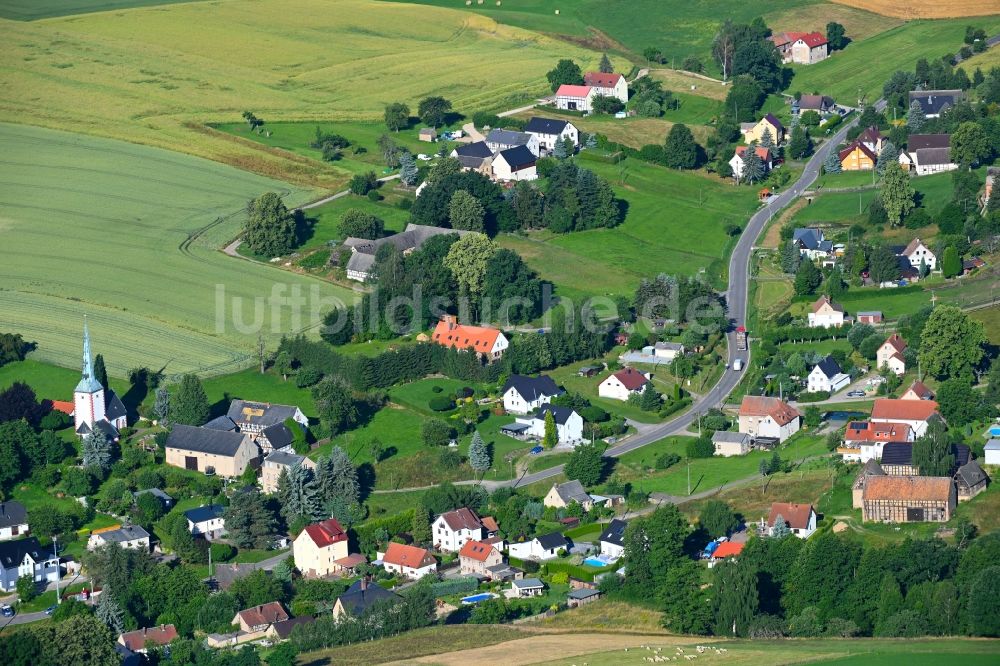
(830, 585)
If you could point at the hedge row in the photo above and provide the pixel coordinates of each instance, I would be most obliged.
(455, 586)
(394, 524)
(859, 295)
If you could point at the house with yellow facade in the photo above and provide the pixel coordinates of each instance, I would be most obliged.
(857, 156)
(756, 132)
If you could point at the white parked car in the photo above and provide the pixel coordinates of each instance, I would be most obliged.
(424, 158)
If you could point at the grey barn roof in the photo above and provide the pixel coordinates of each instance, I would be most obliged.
(204, 440)
(284, 458)
(127, 533)
(539, 125)
(272, 413)
(279, 435)
(503, 137)
(933, 156)
(572, 491)
(811, 239)
(918, 141)
(933, 102)
(732, 437)
(971, 473)
(475, 149)
(532, 388)
(221, 423)
(411, 238)
(114, 408)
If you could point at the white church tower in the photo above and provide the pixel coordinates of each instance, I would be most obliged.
(88, 397)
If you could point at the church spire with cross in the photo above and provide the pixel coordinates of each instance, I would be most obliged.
(88, 383)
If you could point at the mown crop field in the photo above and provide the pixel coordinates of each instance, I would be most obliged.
(156, 76)
(928, 9)
(31, 10)
(866, 65)
(675, 224)
(129, 236)
(858, 24)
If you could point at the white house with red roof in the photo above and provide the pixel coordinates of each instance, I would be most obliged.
(864, 440)
(488, 342)
(737, 161)
(607, 84)
(804, 48)
(575, 98)
(452, 529)
(476, 557)
(915, 413)
(826, 313)
(409, 561)
(918, 391)
(761, 416)
(623, 384)
(890, 355)
(317, 548)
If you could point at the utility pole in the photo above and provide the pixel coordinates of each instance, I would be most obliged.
(55, 552)
(689, 477)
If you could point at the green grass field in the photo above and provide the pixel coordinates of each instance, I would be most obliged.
(324, 220)
(677, 28)
(157, 76)
(32, 10)
(990, 317)
(128, 235)
(867, 64)
(689, 239)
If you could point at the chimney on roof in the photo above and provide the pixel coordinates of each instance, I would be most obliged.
(364, 583)
(450, 320)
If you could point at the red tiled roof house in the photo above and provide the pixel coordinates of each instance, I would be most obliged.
(622, 384)
(318, 547)
(761, 416)
(487, 342)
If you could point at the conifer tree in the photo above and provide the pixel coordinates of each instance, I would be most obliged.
(832, 162)
(189, 405)
(110, 613)
(780, 528)
(736, 601)
(299, 495)
(421, 527)
(915, 118)
(551, 436)
(100, 371)
(479, 454)
(337, 477)
(96, 450)
(407, 170)
(161, 406)
(605, 65)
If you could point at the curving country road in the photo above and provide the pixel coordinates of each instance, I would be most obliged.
(736, 298)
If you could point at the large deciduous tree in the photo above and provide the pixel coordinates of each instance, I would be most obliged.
(586, 464)
(896, 193)
(335, 404)
(566, 72)
(718, 518)
(361, 224)
(465, 212)
(970, 144)
(467, 259)
(270, 227)
(951, 344)
(735, 601)
(433, 110)
(932, 452)
(397, 116)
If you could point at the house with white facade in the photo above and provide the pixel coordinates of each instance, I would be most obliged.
(13, 520)
(812, 243)
(544, 547)
(453, 529)
(575, 98)
(607, 84)
(548, 131)
(569, 424)
(915, 413)
(129, 536)
(738, 160)
(612, 540)
(623, 384)
(489, 343)
(668, 351)
(26, 557)
(804, 48)
(728, 444)
(799, 518)
(916, 252)
(514, 164)
(827, 377)
(762, 416)
(826, 313)
(864, 440)
(410, 561)
(500, 139)
(935, 102)
(890, 355)
(523, 394)
(207, 521)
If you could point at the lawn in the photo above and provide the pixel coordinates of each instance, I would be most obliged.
(48, 381)
(250, 384)
(706, 473)
(295, 137)
(867, 64)
(990, 317)
(752, 501)
(158, 76)
(324, 221)
(690, 239)
(676, 80)
(568, 378)
(849, 207)
(891, 302)
(32, 10)
(128, 235)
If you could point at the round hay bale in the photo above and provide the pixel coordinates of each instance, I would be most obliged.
(479, 2)
(498, 3)
(557, 12)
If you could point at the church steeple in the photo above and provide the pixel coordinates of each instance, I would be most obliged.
(88, 383)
